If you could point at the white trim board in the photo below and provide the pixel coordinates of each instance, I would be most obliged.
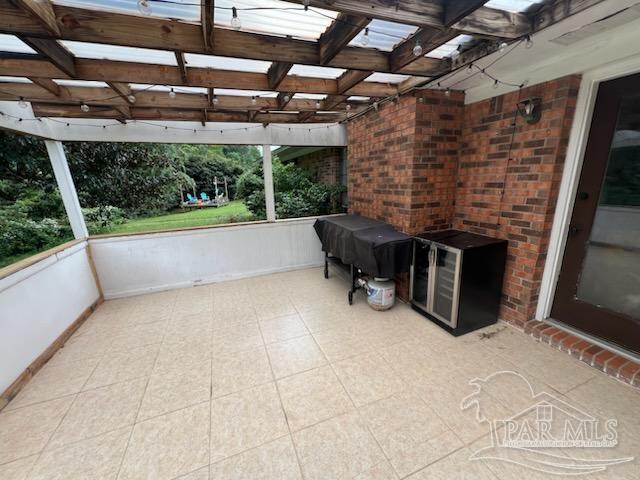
(571, 173)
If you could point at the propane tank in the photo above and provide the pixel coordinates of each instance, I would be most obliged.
(381, 293)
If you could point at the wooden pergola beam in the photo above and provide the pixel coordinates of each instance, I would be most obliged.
(147, 32)
(350, 79)
(277, 73)
(206, 21)
(128, 72)
(42, 11)
(54, 52)
(337, 36)
(558, 10)
(283, 99)
(456, 10)
(49, 85)
(123, 90)
(428, 38)
(182, 66)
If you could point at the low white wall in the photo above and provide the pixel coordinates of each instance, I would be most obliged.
(38, 303)
(132, 265)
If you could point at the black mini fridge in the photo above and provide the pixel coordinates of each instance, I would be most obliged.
(456, 279)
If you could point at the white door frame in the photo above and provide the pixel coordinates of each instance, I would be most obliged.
(571, 174)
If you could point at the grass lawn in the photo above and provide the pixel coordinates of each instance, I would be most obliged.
(232, 212)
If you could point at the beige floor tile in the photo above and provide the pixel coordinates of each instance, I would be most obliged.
(18, 469)
(98, 411)
(231, 339)
(138, 336)
(27, 430)
(244, 420)
(117, 367)
(54, 381)
(82, 348)
(200, 474)
(410, 433)
(283, 328)
(381, 471)
(294, 356)
(176, 389)
(98, 458)
(457, 465)
(168, 446)
(175, 356)
(368, 378)
(338, 344)
(188, 330)
(325, 318)
(273, 307)
(338, 448)
(313, 396)
(234, 372)
(273, 460)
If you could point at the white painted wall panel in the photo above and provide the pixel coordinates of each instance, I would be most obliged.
(38, 303)
(160, 261)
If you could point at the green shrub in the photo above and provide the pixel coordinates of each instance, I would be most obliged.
(20, 234)
(102, 219)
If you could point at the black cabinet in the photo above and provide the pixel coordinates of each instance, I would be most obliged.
(456, 279)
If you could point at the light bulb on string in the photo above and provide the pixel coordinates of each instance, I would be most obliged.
(528, 42)
(144, 8)
(84, 107)
(286, 98)
(447, 92)
(306, 4)
(214, 100)
(495, 84)
(235, 21)
(317, 104)
(376, 106)
(254, 100)
(348, 107)
(503, 46)
(364, 40)
(172, 93)
(22, 103)
(417, 49)
(131, 98)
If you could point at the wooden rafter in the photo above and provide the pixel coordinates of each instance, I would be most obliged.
(49, 85)
(350, 79)
(206, 20)
(54, 52)
(123, 90)
(557, 10)
(428, 38)
(283, 99)
(128, 72)
(343, 29)
(455, 10)
(277, 73)
(42, 11)
(182, 66)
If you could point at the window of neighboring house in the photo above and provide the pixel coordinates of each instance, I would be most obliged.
(140, 187)
(32, 216)
(309, 182)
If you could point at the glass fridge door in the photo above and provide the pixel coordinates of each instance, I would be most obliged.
(420, 273)
(444, 304)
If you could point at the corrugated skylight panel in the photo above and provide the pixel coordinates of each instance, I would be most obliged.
(114, 52)
(387, 77)
(178, 9)
(80, 83)
(226, 63)
(166, 88)
(448, 48)
(511, 5)
(244, 93)
(275, 17)
(384, 35)
(318, 72)
(11, 43)
(310, 96)
(15, 79)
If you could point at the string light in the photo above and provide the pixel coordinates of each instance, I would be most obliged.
(447, 92)
(286, 98)
(495, 84)
(348, 107)
(317, 104)
(417, 49)
(84, 107)
(502, 47)
(364, 41)
(214, 100)
(306, 3)
(172, 93)
(22, 103)
(235, 21)
(254, 100)
(131, 98)
(376, 106)
(144, 8)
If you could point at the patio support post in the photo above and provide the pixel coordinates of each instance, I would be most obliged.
(268, 183)
(67, 188)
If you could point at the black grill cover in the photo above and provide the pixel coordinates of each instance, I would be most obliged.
(373, 246)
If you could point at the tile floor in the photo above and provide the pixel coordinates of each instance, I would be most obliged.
(278, 378)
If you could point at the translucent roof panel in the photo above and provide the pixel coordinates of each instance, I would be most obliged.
(318, 72)
(10, 43)
(166, 88)
(15, 79)
(384, 35)
(244, 93)
(387, 77)
(113, 52)
(448, 48)
(178, 9)
(275, 17)
(80, 83)
(310, 96)
(226, 63)
(511, 5)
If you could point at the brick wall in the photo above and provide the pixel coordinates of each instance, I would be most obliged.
(508, 181)
(429, 162)
(323, 165)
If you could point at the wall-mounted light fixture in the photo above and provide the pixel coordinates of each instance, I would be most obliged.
(530, 109)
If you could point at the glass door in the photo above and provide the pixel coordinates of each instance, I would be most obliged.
(598, 289)
(444, 289)
(420, 273)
